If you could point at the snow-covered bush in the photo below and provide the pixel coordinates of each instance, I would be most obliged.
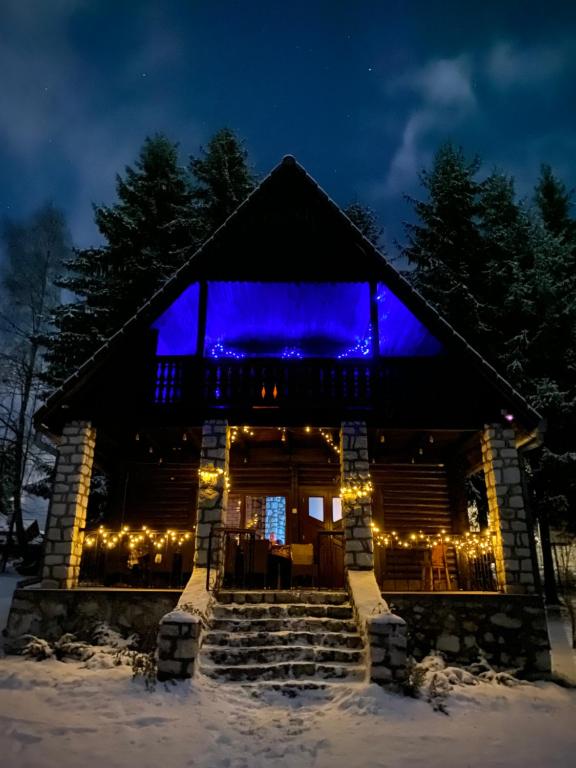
(36, 648)
(108, 648)
(432, 680)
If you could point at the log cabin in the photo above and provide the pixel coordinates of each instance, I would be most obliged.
(287, 422)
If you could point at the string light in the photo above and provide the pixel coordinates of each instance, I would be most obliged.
(473, 545)
(219, 350)
(209, 474)
(136, 539)
(362, 348)
(356, 488)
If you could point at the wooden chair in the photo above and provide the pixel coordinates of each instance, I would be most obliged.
(439, 566)
(302, 556)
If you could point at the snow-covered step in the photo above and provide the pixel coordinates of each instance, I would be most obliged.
(284, 596)
(283, 671)
(279, 611)
(283, 637)
(281, 653)
(295, 624)
(278, 637)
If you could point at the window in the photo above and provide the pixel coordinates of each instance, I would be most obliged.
(288, 320)
(316, 507)
(401, 333)
(178, 326)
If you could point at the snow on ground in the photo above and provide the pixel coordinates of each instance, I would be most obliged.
(64, 715)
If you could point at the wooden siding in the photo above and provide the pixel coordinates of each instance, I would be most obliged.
(161, 495)
(412, 497)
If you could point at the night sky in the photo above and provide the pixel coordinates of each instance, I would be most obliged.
(360, 92)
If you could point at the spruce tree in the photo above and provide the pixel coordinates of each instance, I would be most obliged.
(444, 246)
(221, 180)
(364, 218)
(501, 281)
(554, 203)
(506, 279)
(146, 233)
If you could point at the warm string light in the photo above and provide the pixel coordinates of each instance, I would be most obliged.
(470, 544)
(329, 439)
(135, 539)
(246, 431)
(210, 475)
(356, 488)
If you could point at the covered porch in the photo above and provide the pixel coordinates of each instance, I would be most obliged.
(289, 506)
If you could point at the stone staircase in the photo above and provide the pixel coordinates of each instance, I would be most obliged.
(283, 637)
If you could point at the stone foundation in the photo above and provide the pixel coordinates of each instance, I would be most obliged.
(384, 633)
(180, 631)
(49, 613)
(179, 636)
(510, 630)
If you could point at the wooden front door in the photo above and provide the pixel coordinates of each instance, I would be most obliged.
(321, 525)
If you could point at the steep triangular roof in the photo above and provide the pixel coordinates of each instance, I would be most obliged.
(283, 201)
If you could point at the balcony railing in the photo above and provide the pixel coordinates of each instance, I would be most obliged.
(293, 383)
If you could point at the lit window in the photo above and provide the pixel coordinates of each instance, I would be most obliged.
(316, 507)
(288, 320)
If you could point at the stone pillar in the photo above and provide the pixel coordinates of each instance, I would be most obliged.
(212, 489)
(356, 496)
(67, 516)
(508, 522)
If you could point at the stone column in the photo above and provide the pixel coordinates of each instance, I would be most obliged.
(212, 489)
(67, 516)
(356, 496)
(508, 522)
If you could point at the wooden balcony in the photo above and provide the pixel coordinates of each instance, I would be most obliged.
(398, 384)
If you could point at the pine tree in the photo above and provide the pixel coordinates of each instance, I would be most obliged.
(221, 180)
(146, 231)
(500, 284)
(554, 203)
(506, 279)
(365, 219)
(444, 246)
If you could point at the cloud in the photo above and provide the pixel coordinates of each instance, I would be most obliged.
(444, 88)
(507, 66)
(442, 82)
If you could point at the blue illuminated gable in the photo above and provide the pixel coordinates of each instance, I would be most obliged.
(291, 321)
(401, 333)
